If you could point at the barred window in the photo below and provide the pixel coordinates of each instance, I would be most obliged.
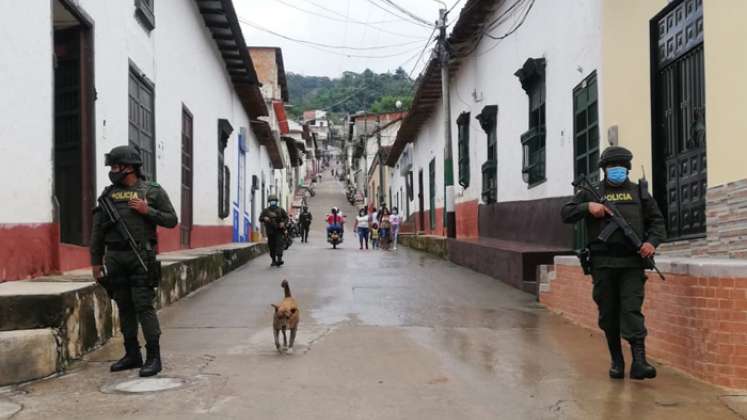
(489, 122)
(532, 77)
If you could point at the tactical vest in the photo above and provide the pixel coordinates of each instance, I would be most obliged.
(141, 229)
(627, 198)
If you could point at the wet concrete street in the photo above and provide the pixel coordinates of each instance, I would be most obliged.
(383, 335)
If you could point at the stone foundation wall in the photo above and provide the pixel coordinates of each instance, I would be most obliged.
(435, 245)
(697, 318)
(726, 226)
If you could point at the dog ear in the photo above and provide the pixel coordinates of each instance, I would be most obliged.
(274, 306)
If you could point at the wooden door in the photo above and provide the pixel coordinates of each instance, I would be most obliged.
(187, 179)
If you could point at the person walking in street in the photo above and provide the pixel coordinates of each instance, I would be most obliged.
(304, 220)
(617, 268)
(275, 219)
(395, 220)
(361, 226)
(131, 275)
(374, 235)
(385, 227)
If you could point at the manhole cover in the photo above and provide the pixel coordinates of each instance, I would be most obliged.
(144, 385)
(8, 408)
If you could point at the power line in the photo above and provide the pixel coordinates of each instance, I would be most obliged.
(453, 6)
(319, 44)
(516, 28)
(408, 13)
(334, 12)
(357, 22)
(421, 53)
(398, 16)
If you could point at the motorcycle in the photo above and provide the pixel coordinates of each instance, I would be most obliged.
(334, 237)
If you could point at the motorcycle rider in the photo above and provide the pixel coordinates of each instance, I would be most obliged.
(336, 222)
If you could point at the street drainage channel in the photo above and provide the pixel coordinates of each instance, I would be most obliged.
(144, 385)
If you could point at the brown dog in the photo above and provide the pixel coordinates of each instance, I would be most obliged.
(286, 317)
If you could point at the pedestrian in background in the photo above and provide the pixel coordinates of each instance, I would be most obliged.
(361, 226)
(304, 221)
(385, 228)
(395, 220)
(275, 219)
(375, 235)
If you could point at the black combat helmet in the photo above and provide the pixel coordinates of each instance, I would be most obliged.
(615, 154)
(123, 155)
(272, 197)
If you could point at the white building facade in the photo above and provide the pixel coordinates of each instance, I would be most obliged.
(512, 113)
(89, 75)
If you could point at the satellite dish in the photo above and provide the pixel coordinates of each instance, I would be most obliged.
(398, 104)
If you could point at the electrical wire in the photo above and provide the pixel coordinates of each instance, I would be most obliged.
(334, 12)
(430, 39)
(453, 6)
(319, 44)
(398, 16)
(515, 28)
(408, 13)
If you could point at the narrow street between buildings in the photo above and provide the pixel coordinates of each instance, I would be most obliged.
(383, 335)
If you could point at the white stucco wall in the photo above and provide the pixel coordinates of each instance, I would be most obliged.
(568, 35)
(27, 125)
(179, 56)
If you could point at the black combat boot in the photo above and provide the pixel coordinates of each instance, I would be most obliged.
(152, 360)
(640, 369)
(132, 358)
(617, 366)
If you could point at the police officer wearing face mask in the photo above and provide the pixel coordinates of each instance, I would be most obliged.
(617, 268)
(275, 219)
(142, 205)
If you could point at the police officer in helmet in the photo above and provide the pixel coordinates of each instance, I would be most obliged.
(275, 219)
(142, 205)
(617, 267)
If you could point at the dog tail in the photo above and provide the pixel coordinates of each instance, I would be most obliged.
(287, 288)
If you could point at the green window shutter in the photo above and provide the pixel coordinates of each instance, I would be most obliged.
(464, 171)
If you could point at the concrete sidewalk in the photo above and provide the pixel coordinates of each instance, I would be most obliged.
(47, 322)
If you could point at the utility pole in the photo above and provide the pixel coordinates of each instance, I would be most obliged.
(381, 160)
(448, 154)
(365, 154)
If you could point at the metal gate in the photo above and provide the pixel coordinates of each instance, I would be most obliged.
(679, 118)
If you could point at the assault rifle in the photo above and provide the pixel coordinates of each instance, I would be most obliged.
(115, 220)
(617, 221)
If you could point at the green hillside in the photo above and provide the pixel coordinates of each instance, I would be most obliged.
(350, 93)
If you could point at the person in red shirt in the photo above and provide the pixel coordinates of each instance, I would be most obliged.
(335, 221)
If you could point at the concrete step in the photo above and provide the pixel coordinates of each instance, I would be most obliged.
(47, 322)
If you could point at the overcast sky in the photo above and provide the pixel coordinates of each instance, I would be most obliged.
(340, 30)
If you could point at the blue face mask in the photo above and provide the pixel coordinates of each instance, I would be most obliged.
(617, 175)
(273, 204)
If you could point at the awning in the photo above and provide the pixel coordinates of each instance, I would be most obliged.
(295, 156)
(263, 132)
(279, 108)
(223, 23)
